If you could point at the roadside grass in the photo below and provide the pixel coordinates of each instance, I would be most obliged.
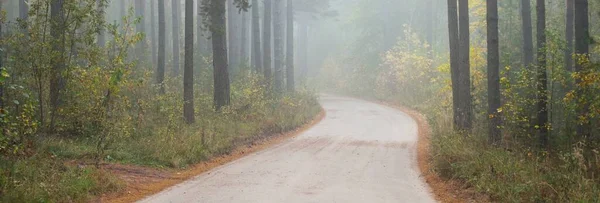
(62, 170)
(512, 174)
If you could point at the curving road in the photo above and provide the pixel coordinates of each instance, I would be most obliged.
(360, 152)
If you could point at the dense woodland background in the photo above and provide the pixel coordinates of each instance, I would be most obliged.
(510, 87)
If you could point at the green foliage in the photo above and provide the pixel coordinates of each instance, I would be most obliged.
(110, 108)
(44, 178)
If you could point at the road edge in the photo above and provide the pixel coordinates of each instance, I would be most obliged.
(442, 190)
(138, 192)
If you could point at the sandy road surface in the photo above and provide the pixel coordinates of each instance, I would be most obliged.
(360, 152)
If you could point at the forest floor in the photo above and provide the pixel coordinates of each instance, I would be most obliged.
(143, 181)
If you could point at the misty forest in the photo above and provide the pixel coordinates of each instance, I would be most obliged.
(300, 100)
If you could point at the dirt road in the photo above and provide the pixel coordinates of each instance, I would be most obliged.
(360, 152)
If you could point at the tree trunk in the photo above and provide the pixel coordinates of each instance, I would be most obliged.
(542, 86)
(527, 29)
(219, 41)
(160, 72)
(101, 38)
(57, 83)
(267, 41)
(464, 76)
(140, 27)
(454, 60)
(23, 10)
(278, 45)
(303, 49)
(569, 34)
(233, 41)
(153, 30)
(244, 39)
(2, 107)
(199, 37)
(582, 42)
(188, 71)
(290, 47)
(176, 18)
(123, 10)
(493, 73)
(256, 54)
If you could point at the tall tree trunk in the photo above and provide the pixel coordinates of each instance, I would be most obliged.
(23, 10)
(2, 107)
(303, 49)
(464, 76)
(430, 29)
(188, 71)
(140, 27)
(582, 41)
(199, 37)
(160, 72)
(493, 73)
(256, 54)
(176, 18)
(290, 47)
(244, 39)
(278, 45)
(57, 83)
(123, 10)
(101, 38)
(569, 34)
(153, 29)
(267, 41)
(454, 59)
(219, 41)
(233, 34)
(542, 85)
(527, 29)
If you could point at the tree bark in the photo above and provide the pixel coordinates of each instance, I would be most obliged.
(233, 34)
(199, 32)
(454, 60)
(57, 83)
(101, 38)
(219, 41)
(123, 10)
(267, 41)
(153, 30)
(140, 27)
(160, 72)
(23, 10)
(464, 76)
(582, 42)
(527, 29)
(542, 86)
(290, 47)
(493, 73)
(244, 39)
(256, 50)
(188, 72)
(176, 18)
(303, 49)
(569, 34)
(278, 45)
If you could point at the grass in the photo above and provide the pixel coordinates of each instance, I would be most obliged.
(59, 170)
(512, 172)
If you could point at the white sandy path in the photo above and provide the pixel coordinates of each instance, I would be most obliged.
(360, 152)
